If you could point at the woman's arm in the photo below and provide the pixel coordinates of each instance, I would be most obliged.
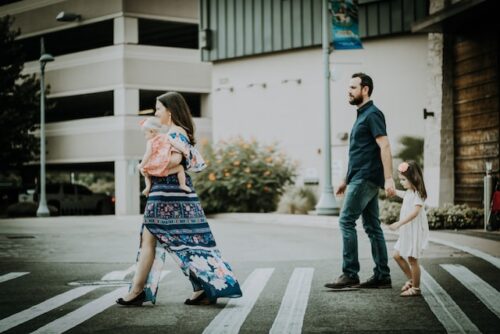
(407, 219)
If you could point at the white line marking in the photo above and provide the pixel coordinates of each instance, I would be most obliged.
(230, 319)
(118, 275)
(86, 312)
(83, 313)
(487, 257)
(294, 303)
(446, 310)
(10, 276)
(485, 292)
(46, 306)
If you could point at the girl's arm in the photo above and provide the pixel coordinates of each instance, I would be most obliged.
(407, 219)
(400, 193)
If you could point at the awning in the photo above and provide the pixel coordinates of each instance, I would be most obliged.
(463, 16)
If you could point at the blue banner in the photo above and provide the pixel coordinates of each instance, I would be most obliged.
(345, 26)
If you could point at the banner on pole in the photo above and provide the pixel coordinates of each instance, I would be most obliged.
(345, 26)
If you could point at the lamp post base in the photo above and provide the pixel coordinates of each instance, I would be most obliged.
(43, 211)
(327, 205)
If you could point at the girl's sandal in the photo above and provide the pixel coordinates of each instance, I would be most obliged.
(408, 285)
(411, 292)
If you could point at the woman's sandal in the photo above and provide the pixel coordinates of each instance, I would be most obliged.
(408, 285)
(411, 292)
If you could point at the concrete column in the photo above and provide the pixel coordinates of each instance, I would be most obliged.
(127, 187)
(126, 30)
(126, 101)
(438, 147)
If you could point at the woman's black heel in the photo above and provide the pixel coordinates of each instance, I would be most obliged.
(137, 301)
(202, 299)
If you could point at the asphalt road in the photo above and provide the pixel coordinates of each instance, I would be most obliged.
(281, 267)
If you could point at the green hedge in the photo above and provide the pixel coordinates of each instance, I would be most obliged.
(242, 176)
(447, 217)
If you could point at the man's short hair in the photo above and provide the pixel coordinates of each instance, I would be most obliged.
(365, 81)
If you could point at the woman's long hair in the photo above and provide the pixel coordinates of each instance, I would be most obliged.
(181, 116)
(415, 176)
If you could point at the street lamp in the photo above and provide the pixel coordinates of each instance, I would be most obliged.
(43, 210)
(327, 204)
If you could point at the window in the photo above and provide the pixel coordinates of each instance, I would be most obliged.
(80, 106)
(81, 190)
(68, 189)
(85, 37)
(172, 34)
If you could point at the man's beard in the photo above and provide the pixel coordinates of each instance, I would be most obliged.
(356, 100)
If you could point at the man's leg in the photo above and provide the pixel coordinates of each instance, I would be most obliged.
(371, 223)
(356, 199)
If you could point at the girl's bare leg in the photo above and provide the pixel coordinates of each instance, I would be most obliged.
(405, 267)
(144, 264)
(415, 272)
(181, 175)
(146, 190)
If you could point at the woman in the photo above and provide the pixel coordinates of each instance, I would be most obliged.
(174, 221)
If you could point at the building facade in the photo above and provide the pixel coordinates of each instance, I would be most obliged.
(268, 74)
(110, 63)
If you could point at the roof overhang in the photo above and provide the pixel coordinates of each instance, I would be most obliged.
(463, 16)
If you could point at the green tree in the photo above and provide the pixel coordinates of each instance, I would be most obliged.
(412, 149)
(19, 102)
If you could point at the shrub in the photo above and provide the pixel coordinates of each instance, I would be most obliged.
(27, 209)
(297, 200)
(454, 217)
(242, 176)
(389, 211)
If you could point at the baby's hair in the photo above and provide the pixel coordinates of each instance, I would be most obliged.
(412, 171)
(153, 123)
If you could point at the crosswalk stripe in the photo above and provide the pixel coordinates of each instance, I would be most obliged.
(118, 275)
(485, 292)
(446, 310)
(477, 253)
(85, 312)
(10, 276)
(230, 319)
(44, 307)
(293, 305)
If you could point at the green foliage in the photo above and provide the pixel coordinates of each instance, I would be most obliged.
(389, 211)
(19, 102)
(297, 200)
(242, 176)
(413, 149)
(447, 217)
(454, 217)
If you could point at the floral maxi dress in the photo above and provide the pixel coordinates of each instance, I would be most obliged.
(178, 222)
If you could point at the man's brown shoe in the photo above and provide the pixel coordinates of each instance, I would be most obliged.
(343, 282)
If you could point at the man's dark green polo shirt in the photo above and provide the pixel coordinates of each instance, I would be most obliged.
(364, 153)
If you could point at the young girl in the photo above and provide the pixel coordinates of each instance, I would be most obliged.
(163, 154)
(414, 228)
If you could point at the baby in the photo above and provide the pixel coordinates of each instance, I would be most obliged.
(160, 158)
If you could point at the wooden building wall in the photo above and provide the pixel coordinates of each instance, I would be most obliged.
(476, 113)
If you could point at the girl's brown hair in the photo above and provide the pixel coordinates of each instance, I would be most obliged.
(414, 174)
(179, 109)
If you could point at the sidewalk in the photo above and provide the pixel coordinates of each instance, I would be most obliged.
(487, 242)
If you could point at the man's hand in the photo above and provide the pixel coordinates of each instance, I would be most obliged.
(395, 226)
(390, 188)
(341, 188)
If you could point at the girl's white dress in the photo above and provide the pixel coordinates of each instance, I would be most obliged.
(413, 236)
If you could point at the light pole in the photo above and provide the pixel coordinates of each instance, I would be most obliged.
(327, 204)
(43, 210)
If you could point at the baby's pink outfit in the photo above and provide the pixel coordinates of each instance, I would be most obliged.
(161, 151)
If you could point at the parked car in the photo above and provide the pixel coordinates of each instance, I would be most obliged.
(70, 199)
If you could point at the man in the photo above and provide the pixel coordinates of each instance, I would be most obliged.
(370, 168)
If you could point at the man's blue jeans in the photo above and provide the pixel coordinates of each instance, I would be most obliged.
(361, 199)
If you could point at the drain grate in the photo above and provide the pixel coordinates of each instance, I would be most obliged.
(20, 237)
(99, 283)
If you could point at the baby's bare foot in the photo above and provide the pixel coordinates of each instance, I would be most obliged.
(145, 192)
(185, 188)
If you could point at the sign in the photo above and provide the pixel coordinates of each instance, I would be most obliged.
(345, 25)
